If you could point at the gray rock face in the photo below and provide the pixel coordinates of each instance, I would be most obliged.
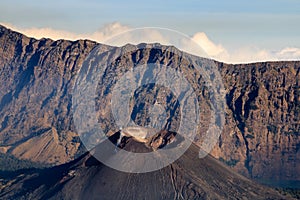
(261, 135)
(263, 104)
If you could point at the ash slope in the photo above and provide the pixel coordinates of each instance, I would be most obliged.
(187, 178)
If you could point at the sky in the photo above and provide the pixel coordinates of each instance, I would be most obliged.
(232, 30)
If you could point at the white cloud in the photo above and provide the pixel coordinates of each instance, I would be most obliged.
(248, 54)
(212, 49)
(289, 53)
(206, 46)
(252, 54)
(101, 35)
(245, 54)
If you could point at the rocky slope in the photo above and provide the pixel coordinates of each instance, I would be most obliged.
(263, 101)
(36, 77)
(261, 135)
(86, 178)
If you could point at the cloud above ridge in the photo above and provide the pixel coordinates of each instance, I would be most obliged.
(218, 52)
(100, 35)
(210, 47)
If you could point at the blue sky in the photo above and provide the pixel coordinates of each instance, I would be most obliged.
(265, 24)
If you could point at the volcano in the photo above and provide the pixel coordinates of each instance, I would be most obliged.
(189, 177)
